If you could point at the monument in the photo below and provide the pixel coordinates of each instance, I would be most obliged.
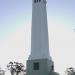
(39, 61)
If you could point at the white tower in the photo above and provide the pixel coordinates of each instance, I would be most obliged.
(39, 35)
(39, 62)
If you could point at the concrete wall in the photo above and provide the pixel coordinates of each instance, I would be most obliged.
(44, 68)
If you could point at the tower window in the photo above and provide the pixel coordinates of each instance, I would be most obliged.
(36, 66)
(39, 0)
(52, 68)
(34, 1)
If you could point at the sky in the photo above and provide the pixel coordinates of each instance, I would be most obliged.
(15, 32)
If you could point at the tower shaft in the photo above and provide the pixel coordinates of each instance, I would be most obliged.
(39, 33)
(39, 61)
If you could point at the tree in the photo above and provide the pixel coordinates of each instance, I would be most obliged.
(15, 67)
(70, 71)
(2, 72)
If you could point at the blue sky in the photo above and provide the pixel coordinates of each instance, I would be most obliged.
(15, 12)
(12, 14)
(62, 10)
(15, 29)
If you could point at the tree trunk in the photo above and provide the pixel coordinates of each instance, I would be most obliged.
(17, 73)
(12, 72)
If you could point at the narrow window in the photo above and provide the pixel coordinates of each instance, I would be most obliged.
(52, 68)
(39, 0)
(36, 66)
(34, 1)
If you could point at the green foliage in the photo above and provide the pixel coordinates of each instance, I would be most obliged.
(15, 67)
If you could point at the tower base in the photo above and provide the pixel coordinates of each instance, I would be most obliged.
(40, 67)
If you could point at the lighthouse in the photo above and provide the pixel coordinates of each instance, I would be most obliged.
(39, 61)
